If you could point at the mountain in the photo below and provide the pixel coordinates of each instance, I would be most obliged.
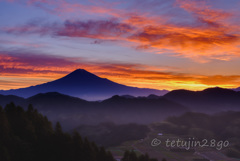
(237, 89)
(208, 101)
(73, 111)
(6, 99)
(85, 85)
(56, 101)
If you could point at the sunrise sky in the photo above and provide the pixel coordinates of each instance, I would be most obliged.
(161, 44)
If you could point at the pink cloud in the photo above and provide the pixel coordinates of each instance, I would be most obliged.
(39, 67)
(211, 36)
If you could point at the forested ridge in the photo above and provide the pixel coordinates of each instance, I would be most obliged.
(29, 136)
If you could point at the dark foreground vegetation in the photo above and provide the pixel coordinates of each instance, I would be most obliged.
(110, 134)
(29, 136)
(131, 156)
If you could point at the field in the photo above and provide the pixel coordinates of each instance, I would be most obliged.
(159, 152)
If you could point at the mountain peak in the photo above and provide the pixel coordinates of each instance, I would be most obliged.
(218, 90)
(80, 74)
(83, 84)
(80, 71)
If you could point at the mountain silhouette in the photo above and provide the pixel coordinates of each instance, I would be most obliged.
(73, 111)
(209, 100)
(237, 89)
(83, 84)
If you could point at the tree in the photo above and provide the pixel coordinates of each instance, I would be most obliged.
(17, 128)
(58, 129)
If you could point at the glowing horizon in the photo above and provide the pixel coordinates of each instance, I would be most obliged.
(174, 44)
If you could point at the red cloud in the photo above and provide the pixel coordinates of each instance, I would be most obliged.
(33, 68)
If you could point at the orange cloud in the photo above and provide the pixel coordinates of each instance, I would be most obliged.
(203, 11)
(210, 35)
(25, 69)
(189, 42)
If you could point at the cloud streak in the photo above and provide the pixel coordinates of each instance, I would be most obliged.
(110, 29)
(193, 29)
(22, 69)
(210, 35)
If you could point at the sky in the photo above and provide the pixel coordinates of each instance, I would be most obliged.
(160, 44)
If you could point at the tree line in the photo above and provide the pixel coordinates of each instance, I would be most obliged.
(28, 135)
